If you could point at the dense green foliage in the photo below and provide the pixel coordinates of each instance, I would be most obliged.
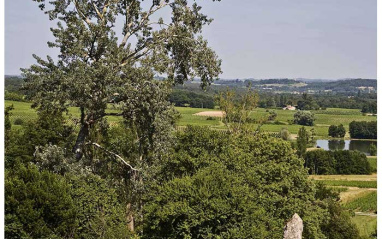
(337, 131)
(44, 200)
(373, 150)
(370, 107)
(304, 118)
(37, 204)
(13, 84)
(14, 96)
(223, 185)
(307, 103)
(207, 185)
(336, 162)
(42, 204)
(284, 134)
(339, 224)
(191, 99)
(363, 129)
(302, 141)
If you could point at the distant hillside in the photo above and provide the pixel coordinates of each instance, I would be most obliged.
(13, 83)
(344, 85)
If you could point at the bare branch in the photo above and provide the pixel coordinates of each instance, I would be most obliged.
(105, 8)
(96, 9)
(87, 20)
(144, 19)
(114, 154)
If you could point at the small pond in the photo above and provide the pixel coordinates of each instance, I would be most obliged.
(360, 145)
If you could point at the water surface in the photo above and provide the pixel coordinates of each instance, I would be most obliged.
(360, 145)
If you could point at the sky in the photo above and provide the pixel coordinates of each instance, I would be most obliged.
(319, 39)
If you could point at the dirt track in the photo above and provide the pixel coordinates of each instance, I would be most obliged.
(211, 113)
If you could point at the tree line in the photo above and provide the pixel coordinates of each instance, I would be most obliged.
(336, 162)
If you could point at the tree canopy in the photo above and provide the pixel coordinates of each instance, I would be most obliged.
(96, 67)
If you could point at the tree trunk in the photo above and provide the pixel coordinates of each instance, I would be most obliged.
(82, 135)
(130, 218)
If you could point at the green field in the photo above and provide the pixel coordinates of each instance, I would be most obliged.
(366, 203)
(365, 224)
(357, 194)
(322, 123)
(324, 118)
(373, 162)
(358, 184)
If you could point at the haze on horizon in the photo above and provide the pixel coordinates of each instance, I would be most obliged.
(320, 39)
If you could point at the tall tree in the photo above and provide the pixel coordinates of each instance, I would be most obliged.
(302, 141)
(236, 112)
(96, 68)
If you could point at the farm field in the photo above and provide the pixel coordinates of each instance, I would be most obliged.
(322, 123)
(365, 224)
(323, 118)
(358, 193)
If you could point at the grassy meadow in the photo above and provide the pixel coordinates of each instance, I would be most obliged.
(324, 119)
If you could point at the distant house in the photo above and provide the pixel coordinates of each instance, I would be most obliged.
(289, 107)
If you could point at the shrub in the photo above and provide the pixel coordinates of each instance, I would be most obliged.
(42, 204)
(18, 121)
(304, 118)
(37, 204)
(363, 129)
(14, 96)
(284, 134)
(272, 115)
(373, 150)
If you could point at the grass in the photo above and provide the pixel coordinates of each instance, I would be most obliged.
(372, 177)
(365, 224)
(364, 203)
(324, 118)
(359, 184)
(353, 193)
(373, 163)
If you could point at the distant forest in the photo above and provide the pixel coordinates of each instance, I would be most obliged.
(305, 95)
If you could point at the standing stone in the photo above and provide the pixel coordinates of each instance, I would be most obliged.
(294, 228)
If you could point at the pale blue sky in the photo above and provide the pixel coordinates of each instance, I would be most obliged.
(328, 39)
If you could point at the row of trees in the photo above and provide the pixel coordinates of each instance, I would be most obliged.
(191, 99)
(336, 162)
(337, 131)
(369, 107)
(363, 129)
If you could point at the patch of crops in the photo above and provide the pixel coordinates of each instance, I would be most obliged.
(339, 189)
(337, 112)
(359, 184)
(367, 203)
(373, 164)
